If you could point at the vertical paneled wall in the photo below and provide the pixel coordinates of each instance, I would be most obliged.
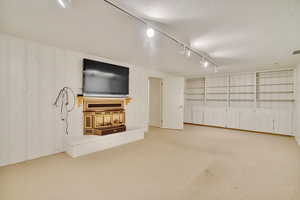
(31, 75)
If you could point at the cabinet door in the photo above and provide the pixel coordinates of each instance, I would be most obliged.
(247, 120)
(188, 113)
(215, 117)
(265, 120)
(284, 122)
(198, 116)
(232, 118)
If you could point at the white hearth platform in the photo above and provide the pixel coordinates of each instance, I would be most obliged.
(82, 145)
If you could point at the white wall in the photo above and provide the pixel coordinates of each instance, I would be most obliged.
(297, 115)
(155, 102)
(31, 75)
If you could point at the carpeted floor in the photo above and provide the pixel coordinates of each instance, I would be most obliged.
(197, 163)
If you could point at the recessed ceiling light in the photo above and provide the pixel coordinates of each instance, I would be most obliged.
(150, 32)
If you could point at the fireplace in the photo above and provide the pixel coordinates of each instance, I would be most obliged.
(104, 116)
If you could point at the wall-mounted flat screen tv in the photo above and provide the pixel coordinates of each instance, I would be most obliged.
(104, 79)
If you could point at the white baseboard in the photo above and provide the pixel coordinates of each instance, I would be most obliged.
(298, 140)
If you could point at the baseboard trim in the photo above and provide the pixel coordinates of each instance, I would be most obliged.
(297, 140)
(236, 129)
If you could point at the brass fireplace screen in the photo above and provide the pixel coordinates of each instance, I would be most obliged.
(104, 116)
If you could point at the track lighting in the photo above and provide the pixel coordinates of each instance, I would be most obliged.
(188, 53)
(205, 64)
(64, 3)
(150, 32)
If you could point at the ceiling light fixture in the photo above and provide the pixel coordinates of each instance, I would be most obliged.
(205, 64)
(64, 3)
(188, 53)
(150, 32)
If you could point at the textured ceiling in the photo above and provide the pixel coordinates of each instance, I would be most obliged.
(239, 35)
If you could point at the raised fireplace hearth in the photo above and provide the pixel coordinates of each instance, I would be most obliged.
(104, 116)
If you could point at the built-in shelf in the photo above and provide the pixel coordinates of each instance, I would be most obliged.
(245, 89)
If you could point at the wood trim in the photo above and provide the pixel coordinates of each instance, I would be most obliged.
(236, 129)
(81, 99)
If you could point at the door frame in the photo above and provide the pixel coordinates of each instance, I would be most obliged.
(161, 100)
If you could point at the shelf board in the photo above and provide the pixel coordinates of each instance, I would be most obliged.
(241, 85)
(194, 93)
(275, 100)
(216, 99)
(217, 86)
(194, 88)
(241, 93)
(216, 93)
(271, 84)
(194, 99)
(242, 100)
(262, 77)
(276, 92)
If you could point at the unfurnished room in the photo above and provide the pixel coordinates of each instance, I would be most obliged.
(150, 100)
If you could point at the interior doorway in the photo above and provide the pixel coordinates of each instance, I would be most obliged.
(155, 102)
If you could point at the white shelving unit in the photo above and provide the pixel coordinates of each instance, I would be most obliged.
(259, 101)
(275, 89)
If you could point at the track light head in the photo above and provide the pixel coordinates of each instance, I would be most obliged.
(188, 53)
(205, 64)
(150, 32)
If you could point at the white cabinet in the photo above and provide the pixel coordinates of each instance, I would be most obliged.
(261, 120)
(265, 120)
(198, 115)
(215, 116)
(247, 119)
(232, 118)
(284, 122)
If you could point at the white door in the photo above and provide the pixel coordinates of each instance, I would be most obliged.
(173, 101)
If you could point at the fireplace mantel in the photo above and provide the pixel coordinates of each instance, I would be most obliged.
(81, 98)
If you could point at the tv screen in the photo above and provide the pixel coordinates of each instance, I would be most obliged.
(104, 79)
